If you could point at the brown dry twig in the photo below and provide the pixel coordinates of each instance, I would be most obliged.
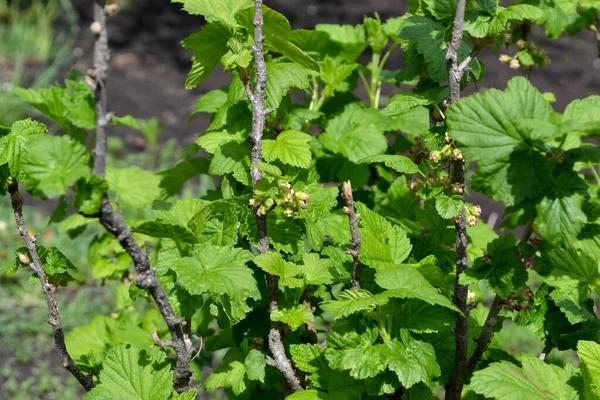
(47, 287)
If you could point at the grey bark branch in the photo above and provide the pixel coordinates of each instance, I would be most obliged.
(259, 113)
(355, 233)
(461, 332)
(115, 225)
(49, 291)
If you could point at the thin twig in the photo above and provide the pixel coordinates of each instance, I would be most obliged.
(48, 288)
(353, 218)
(259, 113)
(114, 223)
(454, 388)
(486, 334)
(310, 326)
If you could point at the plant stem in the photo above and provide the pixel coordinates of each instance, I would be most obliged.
(115, 225)
(353, 218)
(257, 99)
(461, 332)
(49, 291)
(547, 349)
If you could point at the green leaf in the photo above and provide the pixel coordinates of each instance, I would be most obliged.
(135, 187)
(231, 373)
(53, 163)
(420, 316)
(535, 380)
(407, 282)
(48, 101)
(222, 11)
(502, 269)
(13, 145)
(441, 9)
(80, 104)
(174, 178)
(316, 270)
(398, 163)
(290, 147)
(352, 39)
(520, 12)
(412, 360)
(130, 373)
(449, 206)
(405, 101)
(89, 193)
(317, 214)
(334, 74)
(428, 36)
(276, 30)
(576, 265)
(294, 317)
(589, 353)
(232, 158)
(376, 35)
(351, 301)
(209, 45)
(210, 102)
(282, 76)
(383, 245)
(511, 166)
(255, 366)
(356, 134)
(217, 270)
(211, 141)
(309, 394)
(274, 264)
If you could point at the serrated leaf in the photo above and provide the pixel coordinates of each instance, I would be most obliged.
(376, 35)
(47, 101)
(406, 282)
(574, 264)
(351, 301)
(405, 101)
(510, 166)
(255, 366)
(334, 74)
(53, 163)
(398, 163)
(231, 373)
(210, 102)
(316, 215)
(290, 147)
(504, 272)
(135, 187)
(441, 9)
(209, 45)
(352, 39)
(316, 270)
(294, 317)
(217, 270)
(421, 317)
(282, 76)
(173, 179)
(309, 394)
(428, 36)
(383, 245)
(89, 193)
(355, 134)
(80, 104)
(222, 11)
(535, 380)
(589, 353)
(130, 373)
(274, 264)
(13, 144)
(449, 206)
(232, 158)
(413, 360)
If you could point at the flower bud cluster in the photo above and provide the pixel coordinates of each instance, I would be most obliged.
(283, 195)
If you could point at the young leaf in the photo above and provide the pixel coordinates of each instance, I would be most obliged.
(316, 270)
(131, 373)
(413, 360)
(222, 11)
(89, 193)
(351, 301)
(135, 187)
(218, 271)
(209, 45)
(53, 163)
(274, 264)
(255, 366)
(383, 245)
(449, 207)
(535, 380)
(589, 353)
(231, 373)
(282, 76)
(13, 144)
(290, 147)
(294, 317)
(352, 39)
(398, 163)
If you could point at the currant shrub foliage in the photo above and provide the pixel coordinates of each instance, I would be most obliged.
(394, 334)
